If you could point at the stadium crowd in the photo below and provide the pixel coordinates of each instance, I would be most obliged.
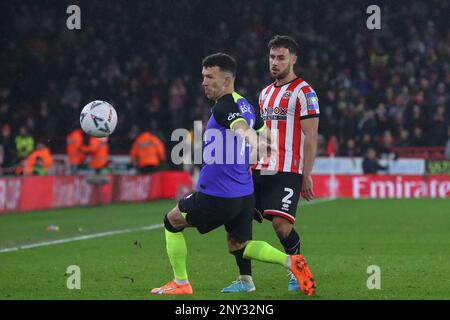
(377, 88)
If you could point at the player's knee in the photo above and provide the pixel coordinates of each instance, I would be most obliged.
(170, 224)
(235, 244)
(282, 227)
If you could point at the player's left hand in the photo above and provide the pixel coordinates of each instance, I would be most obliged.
(307, 188)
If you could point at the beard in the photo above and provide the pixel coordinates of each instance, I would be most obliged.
(282, 74)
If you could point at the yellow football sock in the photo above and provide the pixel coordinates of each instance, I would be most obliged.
(177, 252)
(262, 251)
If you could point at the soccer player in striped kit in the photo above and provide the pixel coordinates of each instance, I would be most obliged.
(290, 109)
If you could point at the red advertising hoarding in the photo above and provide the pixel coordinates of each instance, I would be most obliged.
(382, 186)
(39, 193)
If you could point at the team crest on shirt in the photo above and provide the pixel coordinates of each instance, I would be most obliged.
(287, 94)
(312, 101)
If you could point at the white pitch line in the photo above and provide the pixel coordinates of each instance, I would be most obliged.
(88, 236)
(115, 232)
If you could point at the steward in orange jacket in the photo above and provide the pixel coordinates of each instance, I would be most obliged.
(39, 161)
(99, 151)
(147, 152)
(74, 149)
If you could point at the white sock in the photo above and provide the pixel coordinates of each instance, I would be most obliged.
(288, 262)
(246, 278)
(181, 282)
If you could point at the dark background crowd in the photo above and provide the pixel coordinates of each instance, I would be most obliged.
(377, 88)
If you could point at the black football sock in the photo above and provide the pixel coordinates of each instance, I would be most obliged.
(291, 243)
(245, 266)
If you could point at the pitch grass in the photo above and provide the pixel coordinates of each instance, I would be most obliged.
(408, 239)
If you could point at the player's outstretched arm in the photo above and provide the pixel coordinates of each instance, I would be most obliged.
(310, 128)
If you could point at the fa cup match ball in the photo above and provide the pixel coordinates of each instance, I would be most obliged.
(98, 119)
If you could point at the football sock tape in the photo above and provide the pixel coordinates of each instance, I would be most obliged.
(169, 226)
(291, 243)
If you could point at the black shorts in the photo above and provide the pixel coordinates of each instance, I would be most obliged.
(207, 213)
(278, 194)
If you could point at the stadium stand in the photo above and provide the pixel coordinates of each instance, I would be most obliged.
(386, 89)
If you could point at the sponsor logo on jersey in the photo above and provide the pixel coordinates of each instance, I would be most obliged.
(245, 108)
(277, 111)
(274, 113)
(234, 115)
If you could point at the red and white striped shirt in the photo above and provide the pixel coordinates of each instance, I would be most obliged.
(282, 107)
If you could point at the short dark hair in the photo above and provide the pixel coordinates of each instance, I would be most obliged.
(222, 60)
(284, 42)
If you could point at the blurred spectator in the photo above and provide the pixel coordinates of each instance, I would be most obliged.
(416, 118)
(71, 94)
(386, 143)
(327, 124)
(321, 146)
(332, 146)
(177, 96)
(438, 127)
(133, 133)
(370, 162)
(368, 123)
(417, 139)
(75, 153)
(312, 72)
(350, 149)
(39, 161)
(24, 143)
(153, 111)
(367, 143)
(147, 152)
(378, 65)
(447, 147)
(98, 149)
(396, 79)
(383, 122)
(349, 125)
(8, 147)
(403, 140)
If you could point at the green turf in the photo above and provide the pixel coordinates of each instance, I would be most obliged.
(408, 239)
